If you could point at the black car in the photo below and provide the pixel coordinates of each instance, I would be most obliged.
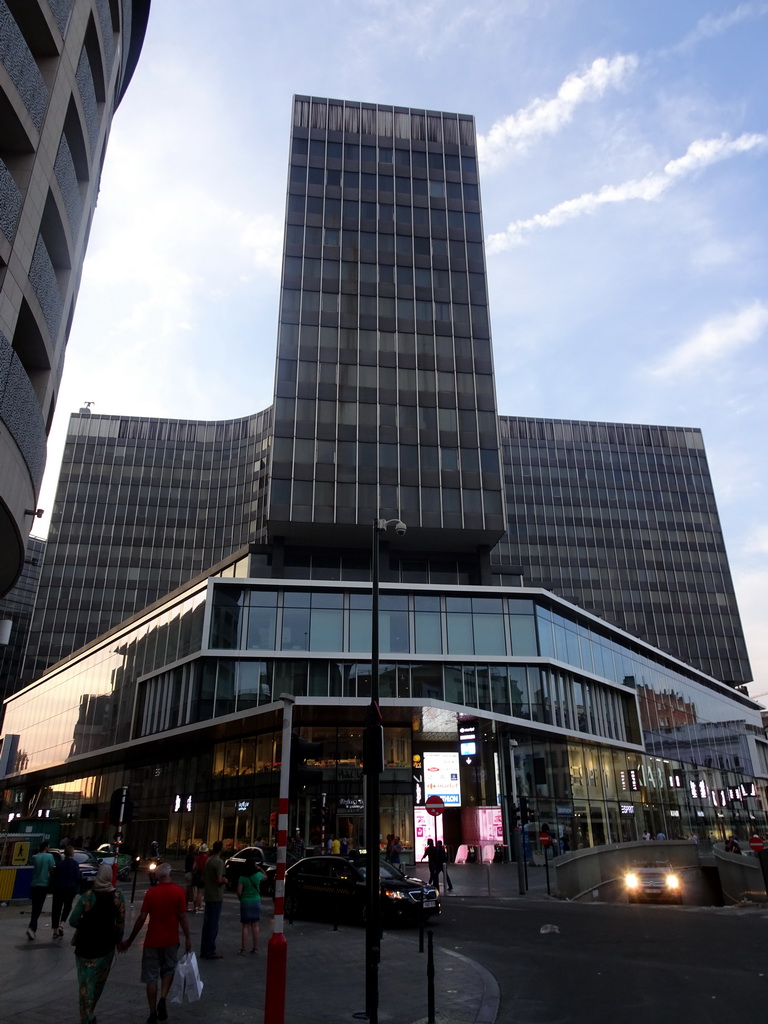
(333, 887)
(265, 858)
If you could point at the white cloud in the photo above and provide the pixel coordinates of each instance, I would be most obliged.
(545, 117)
(756, 542)
(715, 340)
(710, 26)
(701, 153)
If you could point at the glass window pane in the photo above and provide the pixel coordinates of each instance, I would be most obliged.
(499, 690)
(225, 627)
(393, 632)
(318, 677)
(360, 630)
(489, 634)
(252, 684)
(454, 684)
(522, 630)
(295, 635)
(327, 629)
(428, 638)
(427, 681)
(225, 689)
(518, 688)
(460, 639)
(261, 629)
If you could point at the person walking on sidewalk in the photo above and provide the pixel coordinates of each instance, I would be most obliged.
(433, 860)
(99, 920)
(66, 882)
(44, 864)
(442, 857)
(166, 907)
(214, 881)
(249, 894)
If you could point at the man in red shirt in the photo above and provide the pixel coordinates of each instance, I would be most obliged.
(166, 907)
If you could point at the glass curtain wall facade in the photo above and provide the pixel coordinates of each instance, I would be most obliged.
(621, 519)
(613, 737)
(384, 397)
(142, 506)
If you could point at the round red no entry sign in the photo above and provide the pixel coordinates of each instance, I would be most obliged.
(434, 805)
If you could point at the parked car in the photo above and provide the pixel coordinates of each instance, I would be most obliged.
(265, 857)
(88, 866)
(653, 882)
(106, 854)
(333, 887)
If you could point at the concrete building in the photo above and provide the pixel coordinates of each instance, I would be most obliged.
(64, 67)
(16, 617)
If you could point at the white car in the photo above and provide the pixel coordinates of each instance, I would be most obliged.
(106, 855)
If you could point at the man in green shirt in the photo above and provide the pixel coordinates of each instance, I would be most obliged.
(43, 864)
(214, 881)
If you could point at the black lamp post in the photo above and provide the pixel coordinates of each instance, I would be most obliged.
(374, 765)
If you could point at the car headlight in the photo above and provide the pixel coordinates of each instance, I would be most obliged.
(152, 866)
(673, 882)
(394, 894)
(632, 881)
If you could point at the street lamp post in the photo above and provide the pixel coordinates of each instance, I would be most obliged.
(374, 765)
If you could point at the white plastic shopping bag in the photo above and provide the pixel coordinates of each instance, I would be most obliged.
(187, 986)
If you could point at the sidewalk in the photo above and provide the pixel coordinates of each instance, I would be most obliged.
(326, 978)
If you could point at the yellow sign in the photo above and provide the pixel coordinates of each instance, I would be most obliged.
(20, 854)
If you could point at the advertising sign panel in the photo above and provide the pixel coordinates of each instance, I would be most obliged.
(441, 776)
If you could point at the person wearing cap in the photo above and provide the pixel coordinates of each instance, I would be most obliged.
(99, 920)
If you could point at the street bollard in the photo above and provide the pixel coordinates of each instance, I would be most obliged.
(430, 980)
(421, 937)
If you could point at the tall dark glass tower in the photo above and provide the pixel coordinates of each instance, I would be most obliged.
(384, 399)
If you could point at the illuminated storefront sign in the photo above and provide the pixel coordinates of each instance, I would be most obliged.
(468, 751)
(441, 777)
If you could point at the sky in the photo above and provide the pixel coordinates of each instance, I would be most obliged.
(623, 170)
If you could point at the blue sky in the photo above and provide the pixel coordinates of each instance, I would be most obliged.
(624, 160)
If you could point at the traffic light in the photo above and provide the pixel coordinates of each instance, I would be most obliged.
(115, 803)
(514, 815)
(300, 776)
(525, 815)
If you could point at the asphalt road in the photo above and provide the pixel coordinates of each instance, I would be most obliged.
(595, 964)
